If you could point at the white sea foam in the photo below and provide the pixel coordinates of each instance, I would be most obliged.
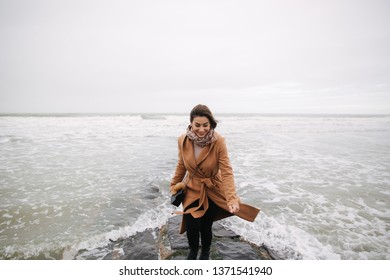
(78, 181)
(154, 218)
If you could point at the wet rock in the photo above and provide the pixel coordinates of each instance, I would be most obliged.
(150, 196)
(177, 241)
(166, 243)
(141, 246)
(154, 189)
(233, 250)
(116, 254)
(226, 245)
(220, 231)
(94, 254)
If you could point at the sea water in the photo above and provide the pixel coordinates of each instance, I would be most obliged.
(74, 182)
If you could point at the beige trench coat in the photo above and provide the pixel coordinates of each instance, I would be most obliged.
(213, 179)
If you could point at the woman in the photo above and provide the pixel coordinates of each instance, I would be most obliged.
(210, 193)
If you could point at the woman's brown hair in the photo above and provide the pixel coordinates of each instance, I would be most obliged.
(203, 111)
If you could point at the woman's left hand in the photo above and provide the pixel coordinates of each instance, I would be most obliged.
(234, 208)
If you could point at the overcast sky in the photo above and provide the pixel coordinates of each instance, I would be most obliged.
(275, 56)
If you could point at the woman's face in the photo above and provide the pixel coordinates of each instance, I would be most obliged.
(200, 126)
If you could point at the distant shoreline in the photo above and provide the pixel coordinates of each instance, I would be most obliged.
(185, 114)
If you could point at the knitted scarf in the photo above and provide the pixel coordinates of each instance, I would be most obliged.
(204, 141)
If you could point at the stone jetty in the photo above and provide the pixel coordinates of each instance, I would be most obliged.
(166, 243)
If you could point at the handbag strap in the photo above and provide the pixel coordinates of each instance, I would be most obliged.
(192, 175)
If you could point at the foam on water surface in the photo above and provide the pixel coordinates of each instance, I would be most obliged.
(69, 183)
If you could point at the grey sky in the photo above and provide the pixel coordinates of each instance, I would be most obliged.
(275, 56)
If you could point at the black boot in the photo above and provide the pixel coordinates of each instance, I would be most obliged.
(192, 254)
(205, 253)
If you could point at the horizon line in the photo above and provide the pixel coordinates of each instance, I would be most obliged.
(177, 113)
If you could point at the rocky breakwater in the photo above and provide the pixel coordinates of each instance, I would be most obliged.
(166, 243)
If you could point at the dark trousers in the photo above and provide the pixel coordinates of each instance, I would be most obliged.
(200, 226)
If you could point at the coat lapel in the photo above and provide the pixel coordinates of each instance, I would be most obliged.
(188, 153)
(188, 150)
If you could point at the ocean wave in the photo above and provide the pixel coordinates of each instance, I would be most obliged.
(152, 117)
(153, 218)
(324, 194)
(287, 241)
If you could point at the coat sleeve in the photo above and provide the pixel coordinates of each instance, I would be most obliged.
(180, 170)
(227, 175)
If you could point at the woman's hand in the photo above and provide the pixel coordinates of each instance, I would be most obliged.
(234, 208)
(175, 188)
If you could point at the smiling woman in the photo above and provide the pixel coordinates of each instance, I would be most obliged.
(201, 126)
(202, 121)
(210, 192)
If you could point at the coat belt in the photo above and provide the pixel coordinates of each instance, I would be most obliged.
(207, 183)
